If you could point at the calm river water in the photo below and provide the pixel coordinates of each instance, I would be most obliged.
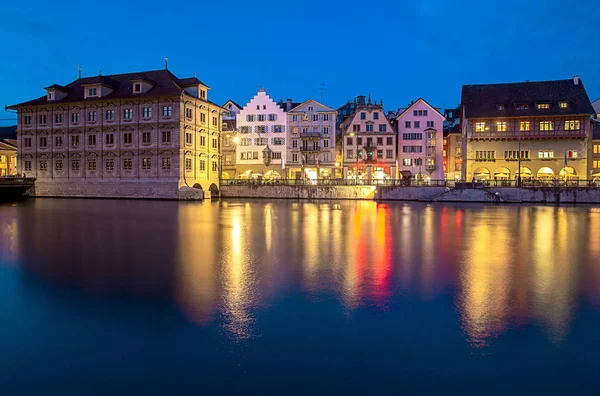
(138, 297)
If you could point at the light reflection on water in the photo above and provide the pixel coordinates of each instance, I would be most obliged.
(228, 263)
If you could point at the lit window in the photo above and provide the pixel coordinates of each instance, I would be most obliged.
(147, 112)
(166, 163)
(571, 125)
(524, 126)
(500, 107)
(501, 126)
(128, 114)
(543, 105)
(596, 148)
(571, 154)
(564, 105)
(545, 154)
(146, 163)
(522, 106)
(546, 126)
(480, 126)
(167, 111)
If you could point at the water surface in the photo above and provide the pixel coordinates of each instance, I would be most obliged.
(276, 297)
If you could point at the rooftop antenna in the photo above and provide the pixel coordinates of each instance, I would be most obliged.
(79, 71)
(323, 89)
(195, 75)
(166, 63)
(100, 72)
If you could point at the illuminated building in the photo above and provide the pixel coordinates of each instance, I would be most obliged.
(142, 135)
(369, 144)
(595, 163)
(420, 141)
(311, 150)
(541, 130)
(8, 157)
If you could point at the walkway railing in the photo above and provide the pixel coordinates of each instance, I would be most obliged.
(412, 183)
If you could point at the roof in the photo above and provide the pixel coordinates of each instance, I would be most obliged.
(235, 103)
(596, 131)
(8, 145)
(165, 84)
(404, 111)
(482, 101)
(294, 106)
(283, 105)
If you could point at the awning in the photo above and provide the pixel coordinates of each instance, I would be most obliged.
(406, 173)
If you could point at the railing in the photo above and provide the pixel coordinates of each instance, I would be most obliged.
(525, 134)
(305, 135)
(414, 183)
(310, 148)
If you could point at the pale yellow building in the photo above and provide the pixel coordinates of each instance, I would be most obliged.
(8, 157)
(538, 130)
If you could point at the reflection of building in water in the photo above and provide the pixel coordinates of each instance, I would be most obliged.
(592, 285)
(8, 237)
(197, 261)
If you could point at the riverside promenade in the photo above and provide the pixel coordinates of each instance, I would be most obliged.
(582, 192)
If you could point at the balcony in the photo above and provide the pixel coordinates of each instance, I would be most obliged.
(510, 135)
(310, 135)
(310, 149)
(430, 167)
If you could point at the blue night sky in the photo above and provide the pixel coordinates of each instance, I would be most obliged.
(392, 50)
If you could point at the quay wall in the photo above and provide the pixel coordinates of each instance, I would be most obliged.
(551, 195)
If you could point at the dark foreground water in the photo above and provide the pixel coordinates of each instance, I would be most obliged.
(136, 297)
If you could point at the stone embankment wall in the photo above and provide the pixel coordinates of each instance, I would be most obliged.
(428, 194)
(136, 189)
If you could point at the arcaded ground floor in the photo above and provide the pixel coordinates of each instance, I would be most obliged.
(537, 169)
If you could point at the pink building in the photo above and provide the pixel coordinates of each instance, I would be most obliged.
(421, 141)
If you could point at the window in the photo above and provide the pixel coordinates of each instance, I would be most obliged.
(379, 141)
(93, 92)
(412, 149)
(563, 105)
(43, 119)
(546, 126)
(543, 105)
(74, 118)
(370, 128)
(58, 118)
(375, 116)
(261, 117)
(91, 140)
(127, 138)
(167, 111)
(261, 142)
(261, 129)
(417, 124)
(215, 168)
(74, 141)
(110, 138)
(278, 141)
(28, 165)
(166, 136)
(389, 141)
(389, 154)
(379, 153)
(358, 141)
(272, 117)
(325, 117)
(596, 148)
(43, 165)
(349, 153)
(250, 117)
(92, 116)
(110, 164)
(522, 106)
(146, 163)
(245, 129)
(214, 143)
(349, 141)
(75, 165)
(43, 141)
(382, 128)
(166, 163)
(128, 114)
(412, 136)
(596, 164)
(58, 141)
(137, 87)
(27, 120)
(58, 165)
(480, 127)
(430, 124)
(202, 117)
(146, 137)
(203, 94)
(110, 115)
(572, 125)
(524, 125)
(310, 108)
(325, 130)
(500, 107)
(147, 112)
(326, 143)
(315, 117)
(127, 164)
(294, 143)
(356, 128)
(294, 157)
(485, 155)
(363, 116)
(27, 142)
(571, 154)
(545, 154)
(407, 124)
(514, 154)
(188, 164)
(501, 126)
(92, 164)
(407, 162)
(202, 165)
(188, 138)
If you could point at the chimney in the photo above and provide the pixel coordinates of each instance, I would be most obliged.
(288, 104)
(576, 80)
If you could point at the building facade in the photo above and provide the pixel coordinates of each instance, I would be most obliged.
(311, 141)
(369, 145)
(261, 150)
(421, 141)
(538, 130)
(231, 110)
(146, 134)
(595, 165)
(8, 157)
(453, 153)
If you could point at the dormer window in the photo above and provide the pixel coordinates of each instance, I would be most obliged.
(203, 95)
(563, 105)
(543, 105)
(50, 95)
(522, 106)
(137, 88)
(500, 107)
(92, 91)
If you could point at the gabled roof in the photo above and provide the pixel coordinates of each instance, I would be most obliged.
(165, 84)
(405, 111)
(481, 101)
(234, 103)
(7, 145)
(314, 101)
(59, 87)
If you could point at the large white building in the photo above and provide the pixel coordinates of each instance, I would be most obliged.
(261, 150)
(421, 141)
(311, 141)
